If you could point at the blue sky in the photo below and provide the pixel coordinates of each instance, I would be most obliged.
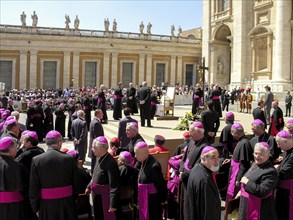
(128, 14)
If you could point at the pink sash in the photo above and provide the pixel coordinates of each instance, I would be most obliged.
(153, 104)
(56, 193)
(117, 97)
(100, 99)
(253, 204)
(215, 98)
(143, 194)
(104, 191)
(10, 197)
(232, 182)
(288, 184)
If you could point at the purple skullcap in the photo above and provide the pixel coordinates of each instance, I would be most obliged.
(207, 149)
(159, 139)
(141, 144)
(62, 105)
(102, 139)
(29, 103)
(53, 134)
(230, 115)
(25, 132)
(265, 144)
(5, 142)
(32, 134)
(284, 134)
(74, 153)
(290, 121)
(237, 125)
(127, 155)
(10, 118)
(4, 115)
(134, 124)
(197, 124)
(9, 122)
(257, 122)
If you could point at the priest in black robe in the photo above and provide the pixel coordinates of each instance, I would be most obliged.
(12, 182)
(102, 103)
(240, 162)
(39, 120)
(144, 97)
(70, 110)
(53, 181)
(203, 196)
(105, 182)
(284, 192)
(29, 150)
(30, 113)
(257, 187)
(48, 119)
(258, 128)
(87, 108)
(117, 111)
(152, 187)
(131, 99)
(190, 158)
(215, 97)
(132, 133)
(60, 119)
(196, 98)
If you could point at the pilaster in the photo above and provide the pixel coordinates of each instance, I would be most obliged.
(22, 69)
(33, 68)
(66, 71)
(75, 69)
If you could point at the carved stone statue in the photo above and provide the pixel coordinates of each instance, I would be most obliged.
(179, 31)
(173, 30)
(35, 19)
(67, 21)
(200, 33)
(149, 28)
(23, 19)
(114, 25)
(220, 66)
(141, 27)
(106, 24)
(76, 23)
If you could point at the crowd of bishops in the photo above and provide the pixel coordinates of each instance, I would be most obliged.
(208, 178)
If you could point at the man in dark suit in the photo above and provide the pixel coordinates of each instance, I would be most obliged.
(145, 104)
(258, 113)
(79, 134)
(122, 127)
(211, 122)
(96, 130)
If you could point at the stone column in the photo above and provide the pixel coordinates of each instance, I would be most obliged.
(22, 69)
(172, 79)
(281, 65)
(179, 71)
(149, 70)
(33, 69)
(66, 70)
(141, 68)
(75, 69)
(106, 69)
(114, 70)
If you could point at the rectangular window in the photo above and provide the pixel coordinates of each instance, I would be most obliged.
(90, 76)
(189, 74)
(160, 73)
(127, 69)
(223, 5)
(49, 74)
(6, 73)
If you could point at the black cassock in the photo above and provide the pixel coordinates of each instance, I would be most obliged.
(133, 141)
(262, 181)
(87, 108)
(196, 100)
(151, 172)
(48, 120)
(215, 94)
(70, 110)
(275, 151)
(25, 158)
(60, 121)
(102, 105)
(117, 113)
(285, 171)
(39, 122)
(203, 195)
(131, 100)
(227, 139)
(11, 180)
(30, 119)
(106, 172)
(52, 170)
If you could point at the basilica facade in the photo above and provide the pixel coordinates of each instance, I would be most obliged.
(249, 43)
(42, 57)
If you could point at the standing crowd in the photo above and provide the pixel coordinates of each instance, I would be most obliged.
(254, 175)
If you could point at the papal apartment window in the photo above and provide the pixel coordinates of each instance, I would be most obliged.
(6, 73)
